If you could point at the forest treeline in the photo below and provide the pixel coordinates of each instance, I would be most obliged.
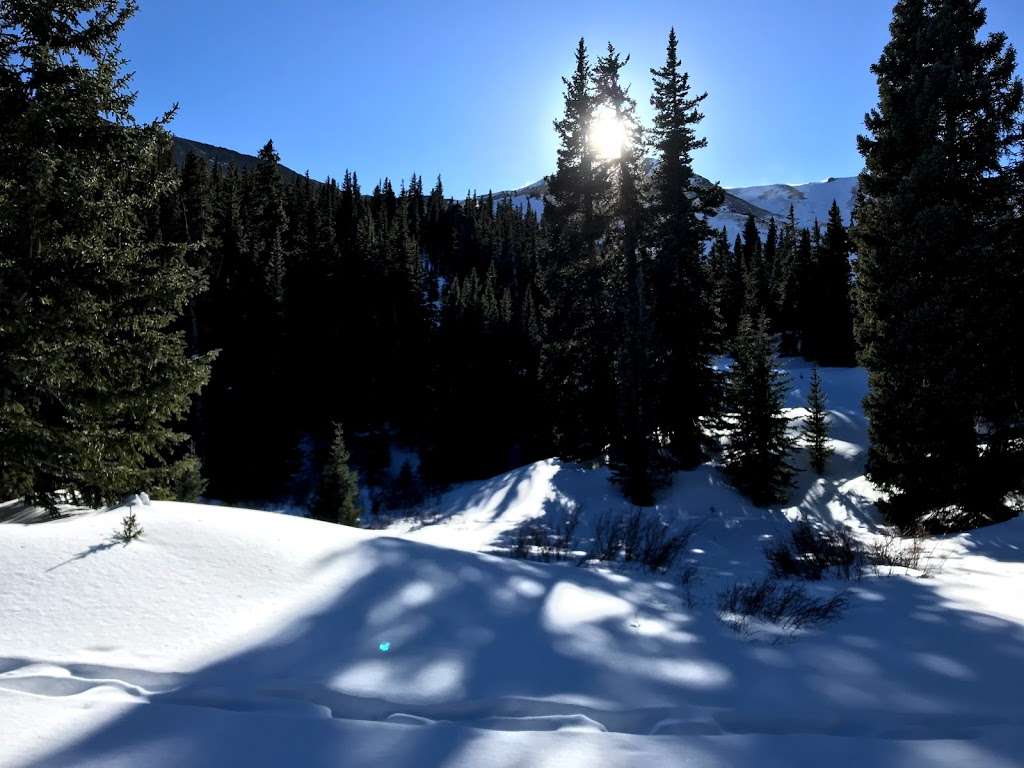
(196, 329)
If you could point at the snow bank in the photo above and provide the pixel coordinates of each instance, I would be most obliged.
(228, 636)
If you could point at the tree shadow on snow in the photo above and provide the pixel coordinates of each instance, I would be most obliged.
(490, 643)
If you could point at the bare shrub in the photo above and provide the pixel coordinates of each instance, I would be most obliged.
(533, 542)
(689, 579)
(788, 606)
(660, 547)
(631, 528)
(893, 551)
(536, 541)
(564, 536)
(607, 537)
(811, 553)
(640, 538)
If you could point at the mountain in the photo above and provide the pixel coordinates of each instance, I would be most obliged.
(810, 202)
(221, 157)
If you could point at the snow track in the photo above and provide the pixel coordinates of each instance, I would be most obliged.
(502, 714)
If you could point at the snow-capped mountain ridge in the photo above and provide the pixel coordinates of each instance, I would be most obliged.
(811, 202)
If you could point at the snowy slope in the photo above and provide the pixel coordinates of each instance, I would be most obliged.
(810, 201)
(229, 636)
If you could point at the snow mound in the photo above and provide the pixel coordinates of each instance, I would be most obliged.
(230, 636)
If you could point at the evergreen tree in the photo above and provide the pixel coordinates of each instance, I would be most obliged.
(337, 498)
(633, 452)
(720, 270)
(682, 302)
(786, 285)
(769, 267)
(816, 427)
(577, 359)
(755, 274)
(833, 285)
(804, 295)
(927, 232)
(95, 377)
(758, 429)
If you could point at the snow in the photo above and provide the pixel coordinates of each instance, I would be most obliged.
(231, 636)
(810, 201)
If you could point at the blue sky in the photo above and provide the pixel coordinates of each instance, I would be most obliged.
(469, 89)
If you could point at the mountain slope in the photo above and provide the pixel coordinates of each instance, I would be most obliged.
(221, 158)
(810, 202)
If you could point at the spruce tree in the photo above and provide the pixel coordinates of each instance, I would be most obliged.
(337, 497)
(832, 284)
(785, 286)
(816, 426)
(719, 273)
(634, 457)
(682, 301)
(95, 378)
(755, 274)
(758, 429)
(577, 358)
(932, 194)
(805, 302)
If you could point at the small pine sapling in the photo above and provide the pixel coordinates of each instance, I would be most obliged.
(130, 528)
(816, 428)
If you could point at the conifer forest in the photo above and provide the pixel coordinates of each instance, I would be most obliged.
(751, 415)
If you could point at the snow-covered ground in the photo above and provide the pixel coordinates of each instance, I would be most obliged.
(235, 637)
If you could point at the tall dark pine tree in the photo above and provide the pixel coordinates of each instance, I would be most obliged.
(785, 285)
(337, 497)
(805, 297)
(682, 301)
(832, 284)
(755, 274)
(758, 429)
(579, 339)
(94, 376)
(633, 452)
(926, 229)
(265, 429)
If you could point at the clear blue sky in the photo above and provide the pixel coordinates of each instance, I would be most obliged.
(469, 89)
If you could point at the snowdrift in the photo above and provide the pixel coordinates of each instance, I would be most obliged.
(229, 636)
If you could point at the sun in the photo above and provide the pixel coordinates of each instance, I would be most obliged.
(608, 134)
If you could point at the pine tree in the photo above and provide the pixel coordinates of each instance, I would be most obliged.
(94, 376)
(577, 358)
(785, 285)
(683, 314)
(758, 430)
(804, 295)
(719, 273)
(337, 498)
(755, 274)
(633, 453)
(927, 233)
(816, 427)
(834, 317)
